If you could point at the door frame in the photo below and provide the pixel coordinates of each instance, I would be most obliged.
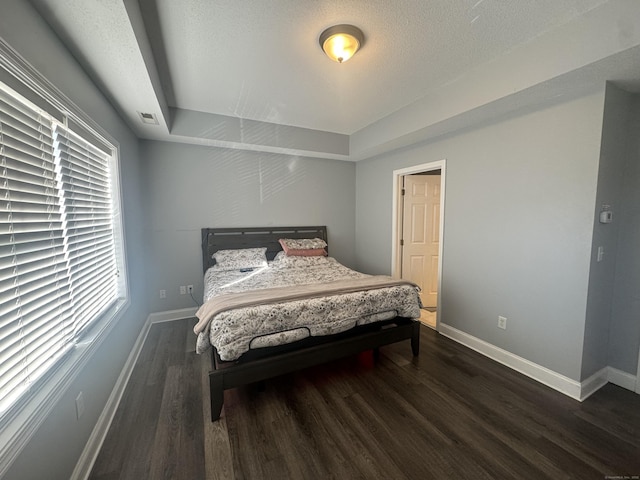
(396, 222)
(638, 375)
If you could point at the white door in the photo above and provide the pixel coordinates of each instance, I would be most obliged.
(421, 233)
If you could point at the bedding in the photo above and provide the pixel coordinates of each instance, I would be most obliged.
(355, 299)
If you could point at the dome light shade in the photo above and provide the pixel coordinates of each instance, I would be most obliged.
(341, 42)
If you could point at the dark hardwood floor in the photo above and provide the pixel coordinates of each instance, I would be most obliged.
(448, 414)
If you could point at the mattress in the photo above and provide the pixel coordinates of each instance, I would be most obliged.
(238, 330)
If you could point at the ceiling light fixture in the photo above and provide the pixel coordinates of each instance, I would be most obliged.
(341, 42)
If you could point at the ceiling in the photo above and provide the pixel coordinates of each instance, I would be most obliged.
(258, 65)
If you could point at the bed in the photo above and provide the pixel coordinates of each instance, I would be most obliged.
(270, 315)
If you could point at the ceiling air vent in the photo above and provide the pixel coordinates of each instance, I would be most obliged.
(148, 118)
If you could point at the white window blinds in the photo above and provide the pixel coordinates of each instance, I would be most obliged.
(87, 212)
(57, 261)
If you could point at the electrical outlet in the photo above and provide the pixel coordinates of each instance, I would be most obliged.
(190, 289)
(163, 294)
(502, 323)
(183, 290)
(79, 405)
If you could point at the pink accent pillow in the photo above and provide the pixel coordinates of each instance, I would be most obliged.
(304, 247)
(309, 252)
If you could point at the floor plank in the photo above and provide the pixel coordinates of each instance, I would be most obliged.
(449, 413)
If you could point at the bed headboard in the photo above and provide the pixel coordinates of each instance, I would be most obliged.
(214, 239)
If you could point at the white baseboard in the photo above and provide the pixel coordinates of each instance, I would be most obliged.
(92, 448)
(577, 390)
(622, 379)
(171, 315)
(594, 383)
(99, 433)
(558, 382)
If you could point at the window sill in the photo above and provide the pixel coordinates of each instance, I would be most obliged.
(21, 422)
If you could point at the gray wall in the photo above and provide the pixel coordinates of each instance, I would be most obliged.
(624, 336)
(521, 195)
(613, 157)
(57, 445)
(188, 187)
(518, 222)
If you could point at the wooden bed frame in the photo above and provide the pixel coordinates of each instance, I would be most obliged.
(261, 364)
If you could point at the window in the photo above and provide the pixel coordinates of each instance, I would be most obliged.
(60, 239)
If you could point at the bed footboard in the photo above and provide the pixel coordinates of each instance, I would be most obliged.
(239, 374)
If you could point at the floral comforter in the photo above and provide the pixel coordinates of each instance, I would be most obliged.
(235, 332)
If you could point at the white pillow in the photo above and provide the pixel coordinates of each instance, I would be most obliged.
(241, 258)
(302, 243)
(289, 261)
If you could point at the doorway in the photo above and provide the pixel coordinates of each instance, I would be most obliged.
(417, 233)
